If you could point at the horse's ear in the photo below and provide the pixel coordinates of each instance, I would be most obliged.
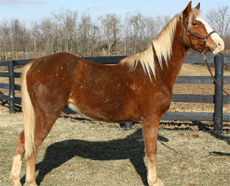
(198, 6)
(187, 9)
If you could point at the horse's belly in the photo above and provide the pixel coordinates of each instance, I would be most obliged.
(110, 113)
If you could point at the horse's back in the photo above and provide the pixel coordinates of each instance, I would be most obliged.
(56, 60)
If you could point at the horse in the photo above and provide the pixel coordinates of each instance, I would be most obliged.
(139, 88)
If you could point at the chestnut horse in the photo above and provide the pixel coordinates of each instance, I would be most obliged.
(138, 88)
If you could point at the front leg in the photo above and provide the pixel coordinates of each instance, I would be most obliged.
(150, 133)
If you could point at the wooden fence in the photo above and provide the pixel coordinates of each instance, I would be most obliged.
(218, 99)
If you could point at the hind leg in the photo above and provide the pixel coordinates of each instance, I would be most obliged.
(17, 161)
(42, 129)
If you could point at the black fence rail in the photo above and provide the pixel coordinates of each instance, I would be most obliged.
(218, 99)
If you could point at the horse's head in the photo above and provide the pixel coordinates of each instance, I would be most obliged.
(197, 34)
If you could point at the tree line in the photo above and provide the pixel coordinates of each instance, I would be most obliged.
(110, 34)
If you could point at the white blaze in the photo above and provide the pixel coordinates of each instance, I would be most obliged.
(215, 37)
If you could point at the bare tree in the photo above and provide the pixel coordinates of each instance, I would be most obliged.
(219, 19)
(126, 30)
(111, 26)
(67, 22)
(48, 28)
(19, 36)
(84, 33)
(95, 32)
(136, 22)
(4, 40)
(35, 33)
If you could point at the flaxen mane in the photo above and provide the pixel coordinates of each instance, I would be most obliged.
(162, 46)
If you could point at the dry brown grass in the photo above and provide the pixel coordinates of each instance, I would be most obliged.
(82, 152)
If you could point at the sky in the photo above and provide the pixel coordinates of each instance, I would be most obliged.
(30, 11)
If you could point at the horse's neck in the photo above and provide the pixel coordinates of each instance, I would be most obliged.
(177, 58)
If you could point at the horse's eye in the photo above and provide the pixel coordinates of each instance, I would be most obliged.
(195, 24)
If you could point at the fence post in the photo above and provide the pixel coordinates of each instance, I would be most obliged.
(218, 111)
(11, 87)
(128, 125)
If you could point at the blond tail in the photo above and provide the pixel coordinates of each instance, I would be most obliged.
(28, 113)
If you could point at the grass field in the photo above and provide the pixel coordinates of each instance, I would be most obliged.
(82, 152)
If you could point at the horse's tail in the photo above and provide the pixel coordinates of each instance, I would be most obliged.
(28, 113)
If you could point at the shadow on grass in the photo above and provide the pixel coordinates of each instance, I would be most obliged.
(219, 153)
(201, 127)
(131, 148)
(216, 135)
(220, 137)
(4, 103)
